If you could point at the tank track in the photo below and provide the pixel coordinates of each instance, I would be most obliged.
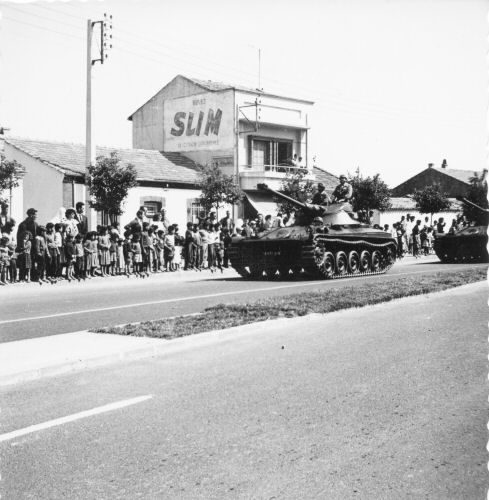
(334, 245)
(253, 265)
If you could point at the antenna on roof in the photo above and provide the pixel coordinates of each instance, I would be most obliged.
(259, 69)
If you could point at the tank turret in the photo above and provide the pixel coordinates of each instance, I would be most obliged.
(333, 213)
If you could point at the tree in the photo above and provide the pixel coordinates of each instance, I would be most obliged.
(296, 186)
(369, 193)
(109, 183)
(217, 188)
(477, 193)
(431, 200)
(11, 172)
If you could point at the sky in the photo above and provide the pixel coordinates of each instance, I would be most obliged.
(397, 84)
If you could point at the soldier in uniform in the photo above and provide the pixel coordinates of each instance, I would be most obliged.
(320, 196)
(343, 191)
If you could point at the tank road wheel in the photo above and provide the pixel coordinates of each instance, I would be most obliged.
(270, 273)
(353, 262)
(256, 271)
(341, 263)
(284, 272)
(388, 259)
(327, 266)
(365, 261)
(376, 260)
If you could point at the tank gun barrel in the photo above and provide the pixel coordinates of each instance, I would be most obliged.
(278, 194)
(314, 209)
(468, 202)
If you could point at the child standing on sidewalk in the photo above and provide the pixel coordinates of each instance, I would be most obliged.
(79, 258)
(114, 237)
(69, 249)
(13, 254)
(91, 252)
(104, 251)
(169, 249)
(137, 255)
(25, 261)
(120, 256)
(4, 260)
(128, 253)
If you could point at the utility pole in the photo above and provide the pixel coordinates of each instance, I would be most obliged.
(105, 27)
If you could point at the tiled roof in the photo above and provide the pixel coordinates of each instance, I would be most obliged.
(150, 165)
(218, 86)
(406, 203)
(461, 175)
(329, 180)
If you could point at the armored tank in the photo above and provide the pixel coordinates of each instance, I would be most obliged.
(325, 242)
(467, 245)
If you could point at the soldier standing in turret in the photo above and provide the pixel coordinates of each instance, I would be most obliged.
(343, 191)
(320, 196)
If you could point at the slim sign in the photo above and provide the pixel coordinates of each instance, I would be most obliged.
(203, 121)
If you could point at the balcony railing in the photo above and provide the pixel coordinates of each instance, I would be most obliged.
(275, 169)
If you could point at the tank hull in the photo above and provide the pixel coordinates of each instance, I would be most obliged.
(313, 255)
(468, 245)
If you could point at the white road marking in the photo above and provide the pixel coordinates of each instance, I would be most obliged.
(71, 418)
(207, 296)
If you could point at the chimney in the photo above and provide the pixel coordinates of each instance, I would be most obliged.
(430, 165)
(444, 164)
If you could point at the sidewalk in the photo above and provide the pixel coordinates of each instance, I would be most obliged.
(32, 359)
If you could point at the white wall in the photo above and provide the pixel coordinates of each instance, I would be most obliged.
(42, 187)
(176, 203)
(276, 110)
(391, 216)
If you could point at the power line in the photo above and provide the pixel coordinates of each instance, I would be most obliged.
(44, 17)
(343, 105)
(42, 27)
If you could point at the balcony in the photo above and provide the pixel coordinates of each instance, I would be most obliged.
(273, 175)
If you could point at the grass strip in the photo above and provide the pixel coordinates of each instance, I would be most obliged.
(223, 316)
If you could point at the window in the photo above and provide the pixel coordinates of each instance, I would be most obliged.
(153, 204)
(261, 153)
(264, 152)
(68, 194)
(195, 210)
(284, 152)
(153, 207)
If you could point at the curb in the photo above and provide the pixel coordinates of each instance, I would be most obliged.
(162, 347)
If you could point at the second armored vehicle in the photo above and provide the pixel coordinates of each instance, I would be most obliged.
(325, 242)
(467, 245)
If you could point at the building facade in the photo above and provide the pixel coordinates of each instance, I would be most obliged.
(55, 173)
(255, 136)
(453, 182)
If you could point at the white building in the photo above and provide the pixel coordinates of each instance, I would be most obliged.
(54, 178)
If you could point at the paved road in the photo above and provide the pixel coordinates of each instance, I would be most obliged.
(386, 402)
(28, 311)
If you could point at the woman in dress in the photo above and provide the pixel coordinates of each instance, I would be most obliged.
(104, 251)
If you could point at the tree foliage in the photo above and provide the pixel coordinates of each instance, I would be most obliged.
(217, 188)
(477, 193)
(431, 199)
(11, 172)
(369, 193)
(109, 182)
(296, 186)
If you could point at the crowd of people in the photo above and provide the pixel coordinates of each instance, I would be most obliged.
(415, 237)
(64, 249)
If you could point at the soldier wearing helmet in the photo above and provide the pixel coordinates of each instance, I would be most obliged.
(320, 196)
(343, 191)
